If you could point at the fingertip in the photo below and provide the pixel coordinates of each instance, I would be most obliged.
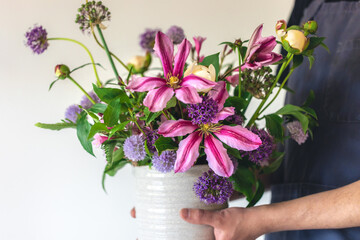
(184, 213)
(133, 213)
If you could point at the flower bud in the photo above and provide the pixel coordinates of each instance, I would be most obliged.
(208, 73)
(280, 28)
(311, 27)
(296, 40)
(62, 71)
(140, 63)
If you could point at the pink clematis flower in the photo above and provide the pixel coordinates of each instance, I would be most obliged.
(259, 52)
(161, 90)
(235, 136)
(99, 139)
(198, 43)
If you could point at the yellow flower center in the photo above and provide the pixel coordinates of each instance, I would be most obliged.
(209, 127)
(173, 81)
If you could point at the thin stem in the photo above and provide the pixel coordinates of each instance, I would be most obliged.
(98, 82)
(227, 73)
(82, 89)
(135, 121)
(117, 76)
(167, 117)
(112, 54)
(240, 62)
(181, 110)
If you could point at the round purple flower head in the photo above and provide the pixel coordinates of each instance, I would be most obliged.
(297, 132)
(204, 112)
(151, 137)
(85, 102)
(134, 148)
(235, 119)
(263, 153)
(165, 162)
(213, 189)
(72, 113)
(176, 34)
(36, 39)
(90, 14)
(147, 39)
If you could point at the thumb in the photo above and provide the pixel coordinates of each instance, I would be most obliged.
(199, 216)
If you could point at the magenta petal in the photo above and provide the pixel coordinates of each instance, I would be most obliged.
(180, 58)
(196, 82)
(188, 152)
(224, 113)
(219, 94)
(188, 95)
(255, 37)
(157, 99)
(217, 157)
(233, 80)
(143, 84)
(172, 128)
(239, 137)
(164, 49)
(198, 43)
(267, 44)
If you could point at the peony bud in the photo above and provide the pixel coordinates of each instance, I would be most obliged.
(311, 27)
(280, 28)
(208, 73)
(62, 71)
(140, 63)
(296, 40)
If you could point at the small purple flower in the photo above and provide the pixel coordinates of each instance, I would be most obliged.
(147, 39)
(213, 189)
(85, 102)
(37, 39)
(263, 153)
(151, 137)
(134, 148)
(90, 14)
(165, 162)
(72, 113)
(176, 34)
(297, 132)
(235, 119)
(204, 112)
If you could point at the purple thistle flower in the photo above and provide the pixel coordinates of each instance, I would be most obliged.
(213, 189)
(204, 112)
(85, 102)
(134, 148)
(147, 39)
(37, 39)
(151, 137)
(263, 153)
(72, 113)
(297, 132)
(176, 34)
(90, 14)
(235, 119)
(165, 162)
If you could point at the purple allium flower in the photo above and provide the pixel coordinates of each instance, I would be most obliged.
(134, 148)
(151, 137)
(165, 162)
(72, 112)
(263, 153)
(85, 102)
(204, 112)
(147, 39)
(90, 14)
(297, 132)
(37, 39)
(235, 119)
(176, 34)
(213, 189)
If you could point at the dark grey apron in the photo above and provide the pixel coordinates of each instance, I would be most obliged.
(332, 159)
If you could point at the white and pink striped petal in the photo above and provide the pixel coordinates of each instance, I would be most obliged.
(219, 94)
(188, 95)
(180, 58)
(164, 49)
(157, 99)
(143, 84)
(197, 82)
(224, 113)
(175, 128)
(188, 152)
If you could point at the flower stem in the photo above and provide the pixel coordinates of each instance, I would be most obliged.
(240, 62)
(98, 82)
(117, 76)
(82, 89)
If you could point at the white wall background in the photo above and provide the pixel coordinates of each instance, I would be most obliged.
(50, 188)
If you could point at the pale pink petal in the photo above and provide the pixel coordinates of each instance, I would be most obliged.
(188, 95)
(172, 128)
(164, 49)
(143, 84)
(157, 99)
(99, 139)
(267, 44)
(224, 113)
(188, 152)
(197, 82)
(238, 137)
(198, 43)
(255, 37)
(217, 157)
(233, 80)
(180, 58)
(219, 93)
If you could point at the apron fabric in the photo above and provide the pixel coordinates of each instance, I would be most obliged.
(332, 158)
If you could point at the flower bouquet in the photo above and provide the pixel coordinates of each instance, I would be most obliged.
(190, 115)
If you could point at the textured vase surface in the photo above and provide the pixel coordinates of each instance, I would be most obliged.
(159, 198)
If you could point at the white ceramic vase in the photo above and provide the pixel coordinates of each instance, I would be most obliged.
(159, 198)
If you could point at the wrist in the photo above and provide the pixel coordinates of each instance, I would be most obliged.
(263, 218)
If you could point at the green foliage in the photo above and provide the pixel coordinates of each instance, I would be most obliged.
(237, 102)
(274, 126)
(259, 192)
(109, 94)
(171, 103)
(294, 27)
(289, 49)
(117, 128)
(97, 127)
(109, 147)
(297, 61)
(56, 126)
(243, 180)
(112, 112)
(277, 158)
(314, 42)
(214, 60)
(83, 130)
(163, 144)
(98, 108)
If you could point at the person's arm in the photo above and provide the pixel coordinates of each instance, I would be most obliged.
(339, 208)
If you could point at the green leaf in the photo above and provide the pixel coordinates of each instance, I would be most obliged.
(152, 116)
(302, 118)
(277, 160)
(84, 65)
(118, 163)
(243, 180)
(289, 49)
(292, 108)
(52, 84)
(163, 144)
(258, 194)
(294, 27)
(297, 61)
(232, 151)
(274, 126)
(238, 103)
(109, 147)
(83, 130)
(311, 61)
(112, 112)
(56, 126)
(324, 46)
(314, 42)
(214, 60)
(97, 127)
(171, 103)
(310, 99)
(230, 44)
(98, 108)
(109, 94)
(117, 128)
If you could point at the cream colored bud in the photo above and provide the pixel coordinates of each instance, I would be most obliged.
(208, 73)
(296, 40)
(138, 62)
